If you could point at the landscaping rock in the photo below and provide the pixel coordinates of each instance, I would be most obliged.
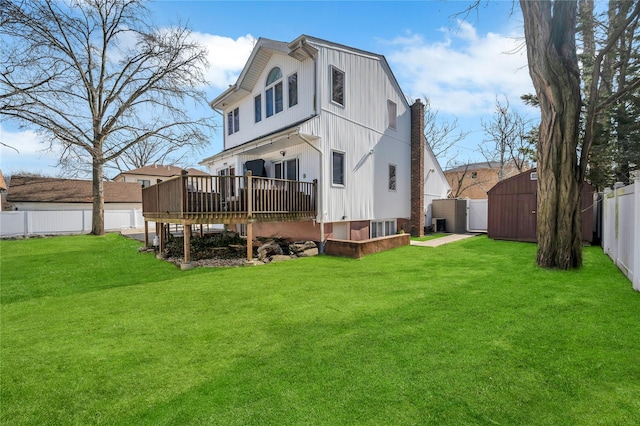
(309, 252)
(300, 247)
(268, 250)
(281, 258)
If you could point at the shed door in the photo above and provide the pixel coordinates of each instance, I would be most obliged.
(526, 217)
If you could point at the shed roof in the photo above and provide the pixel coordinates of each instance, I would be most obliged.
(53, 190)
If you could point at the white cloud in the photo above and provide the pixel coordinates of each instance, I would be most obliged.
(463, 73)
(226, 57)
(32, 154)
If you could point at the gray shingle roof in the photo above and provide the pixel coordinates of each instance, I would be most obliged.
(53, 190)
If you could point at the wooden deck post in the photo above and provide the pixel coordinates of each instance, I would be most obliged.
(146, 233)
(249, 213)
(186, 264)
(249, 241)
(161, 234)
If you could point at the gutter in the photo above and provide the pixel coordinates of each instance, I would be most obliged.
(320, 187)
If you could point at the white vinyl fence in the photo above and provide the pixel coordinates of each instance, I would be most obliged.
(477, 215)
(621, 229)
(47, 222)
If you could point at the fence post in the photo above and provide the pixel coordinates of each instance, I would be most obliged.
(636, 240)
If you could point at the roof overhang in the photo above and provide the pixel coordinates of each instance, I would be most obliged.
(277, 141)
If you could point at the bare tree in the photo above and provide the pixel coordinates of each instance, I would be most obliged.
(550, 34)
(508, 143)
(441, 135)
(96, 80)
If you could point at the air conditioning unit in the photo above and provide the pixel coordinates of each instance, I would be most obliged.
(439, 224)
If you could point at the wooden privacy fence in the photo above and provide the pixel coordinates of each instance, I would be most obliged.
(201, 198)
(621, 229)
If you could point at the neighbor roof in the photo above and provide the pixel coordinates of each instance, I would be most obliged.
(164, 171)
(53, 190)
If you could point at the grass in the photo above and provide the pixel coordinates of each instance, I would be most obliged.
(467, 333)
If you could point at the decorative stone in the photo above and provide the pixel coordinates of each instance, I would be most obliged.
(299, 247)
(281, 258)
(309, 252)
(268, 250)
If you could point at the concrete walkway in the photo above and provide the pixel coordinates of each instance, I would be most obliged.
(443, 240)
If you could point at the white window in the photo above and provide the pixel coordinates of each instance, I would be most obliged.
(337, 168)
(257, 107)
(392, 177)
(337, 86)
(144, 182)
(233, 121)
(273, 92)
(382, 228)
(392, 110)
(292, 87)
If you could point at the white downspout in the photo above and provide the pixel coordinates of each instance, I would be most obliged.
(320, 189)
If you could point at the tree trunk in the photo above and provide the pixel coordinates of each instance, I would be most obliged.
(553, 67)
(97, 222)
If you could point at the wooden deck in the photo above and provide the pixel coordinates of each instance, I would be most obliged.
(229, 199)
(189, 200)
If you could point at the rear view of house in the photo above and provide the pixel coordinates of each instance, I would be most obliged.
(319, 142)
(313, 110)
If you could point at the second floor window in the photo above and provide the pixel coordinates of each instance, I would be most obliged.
(337, 86)
(392, 177)
(293, 89)
(392, 110)
(273, 92)
(233, 121)
(257, 102)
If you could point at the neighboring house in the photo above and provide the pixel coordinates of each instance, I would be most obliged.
(150, 175)
(40, 193)
(476, 179)
(3, 189)
(316, 111)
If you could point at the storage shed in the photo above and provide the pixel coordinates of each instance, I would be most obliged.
(513, 205)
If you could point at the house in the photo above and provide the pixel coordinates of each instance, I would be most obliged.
(513, 206)
(476, 179)
(319, 143)
(316, 110)
(3, 189)
(44, 193)
(152, 174)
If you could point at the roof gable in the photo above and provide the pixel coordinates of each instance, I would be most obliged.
(301, 48)
(53, 190)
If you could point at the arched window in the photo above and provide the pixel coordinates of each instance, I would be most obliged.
(273, 92)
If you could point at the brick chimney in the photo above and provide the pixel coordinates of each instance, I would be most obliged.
(417, 169)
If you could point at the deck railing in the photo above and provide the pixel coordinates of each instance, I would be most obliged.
(201, 197)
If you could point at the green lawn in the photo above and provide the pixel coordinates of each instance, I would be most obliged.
(94, 332)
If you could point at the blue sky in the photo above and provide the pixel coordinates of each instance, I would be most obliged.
(462, 66)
